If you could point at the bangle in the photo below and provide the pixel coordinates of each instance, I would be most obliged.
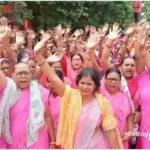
(52, 143)
(42, 63)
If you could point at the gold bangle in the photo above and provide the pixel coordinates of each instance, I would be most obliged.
(42, 63)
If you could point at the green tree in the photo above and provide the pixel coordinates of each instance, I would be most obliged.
(77, 14)
(19, 10)
(146, 10)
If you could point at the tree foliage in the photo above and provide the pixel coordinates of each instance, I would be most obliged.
(146, 10)
(77, 14)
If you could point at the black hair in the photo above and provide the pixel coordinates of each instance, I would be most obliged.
(93, 73)
(59, 74)
(110, 70)
(126, 58)
(78, 55)
(20, 55)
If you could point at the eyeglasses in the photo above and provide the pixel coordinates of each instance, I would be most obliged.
(112, 79)
(25, 73)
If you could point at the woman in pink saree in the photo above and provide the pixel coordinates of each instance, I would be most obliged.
(128, 71)
(120, 104)
(54, 102)
(143, 81)
(127, 67)
(74, 66)
(143, 70)
(19, 110)
(80, 106)
(19, 121)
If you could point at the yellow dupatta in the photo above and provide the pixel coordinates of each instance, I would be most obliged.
(71, 105)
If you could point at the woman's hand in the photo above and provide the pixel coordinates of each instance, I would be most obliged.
(31, 35)
(42, 43)
(54, 58)
(114, 32)
(102, 31)
(20, 39)
(127, 136)
(93, 40)
(130, 29)
(5, 32)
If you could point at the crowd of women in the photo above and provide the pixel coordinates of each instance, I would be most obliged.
(81, 89)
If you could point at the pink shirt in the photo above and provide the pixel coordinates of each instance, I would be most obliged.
(137, 6)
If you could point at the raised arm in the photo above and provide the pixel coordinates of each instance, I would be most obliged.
(30, 38)
(146, 57)
(109, 45)
(139, 49)
(47, 69)
(92, 42)
(79, 41)
(4, 38)
(129, 32)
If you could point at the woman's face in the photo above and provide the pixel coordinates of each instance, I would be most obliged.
(112, 82)
(86, 86)
(118, 58)
(117, 47)
(50, 86)
(76, 62)
(128, 68)
(32, 66)
(5, 69)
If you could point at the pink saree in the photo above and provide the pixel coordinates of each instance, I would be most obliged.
(3, 143)
(54, 107)
(19, 114)
(144, 88)
(89, 135)
(133, 89)
(122, 109)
